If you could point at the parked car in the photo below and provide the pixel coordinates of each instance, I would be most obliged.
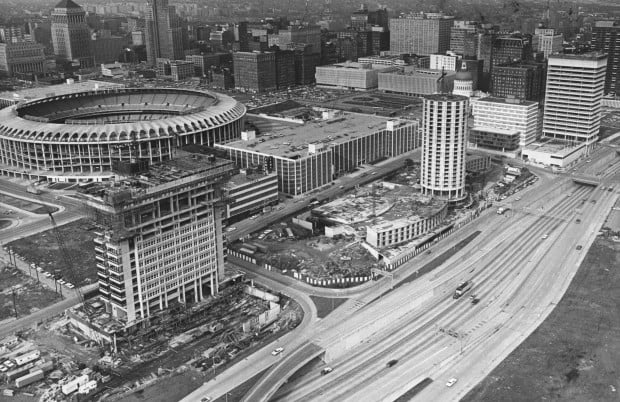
(451, 382)
(277, 351)
(579, 247)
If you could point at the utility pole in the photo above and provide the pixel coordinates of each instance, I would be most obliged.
(14, 301)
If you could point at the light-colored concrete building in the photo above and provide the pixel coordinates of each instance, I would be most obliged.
(416, 81)
(547, 42)
(312, 155)
(444, 131)
(445, 62)
(421, 34)
(350, 75)
(249, 192)
(552, 153)
(508, 114)
(162, 244)
(22, 58)
(575, 88)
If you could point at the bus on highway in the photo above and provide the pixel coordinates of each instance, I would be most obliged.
(462, 288)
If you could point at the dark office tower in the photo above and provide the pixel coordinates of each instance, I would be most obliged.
(202, 34)
(363, 19)
(255, 71)
(606, 38)
(241, 33)
(457, 36)
(511, 49)
(379, 41)
(421, 34)
(475, 68)
(285, 69)
(484, 50)
(305, 65)
(163, 35)
(352, 44)
(525, 81)
(70, 34)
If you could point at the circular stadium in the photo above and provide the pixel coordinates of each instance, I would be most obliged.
(80, 136)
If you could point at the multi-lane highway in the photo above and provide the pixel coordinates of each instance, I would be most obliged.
(518, 276)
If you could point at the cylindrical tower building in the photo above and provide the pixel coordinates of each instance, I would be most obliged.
(444, 135)
(463, 84)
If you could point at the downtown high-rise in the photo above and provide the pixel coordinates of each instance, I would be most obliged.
(575, 86)
(70, 34)
(606, 38)
(444, 138)
(420, 34)
(163, 32)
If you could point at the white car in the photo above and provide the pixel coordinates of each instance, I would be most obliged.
(3, 368)
(231, 229)
(61, 281)
(9, 364)
(48, 274)
(545, 236)
(451, 382)
(277, 351)
(69, 285)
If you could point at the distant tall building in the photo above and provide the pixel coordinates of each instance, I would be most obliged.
(606, 38)
(519, 80)
(457, 35)
(444, 128)
(511, 49)
(70, 34)
(285, 69)
(575, 87)
(547, 42)
(363, 19)
(163, 34)
(420, 34)
(17, 58)
(255, 71)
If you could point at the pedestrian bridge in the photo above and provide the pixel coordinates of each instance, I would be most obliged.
(586, 179)
(279, 373)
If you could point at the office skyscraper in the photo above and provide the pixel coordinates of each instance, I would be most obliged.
(444, 125)
(70, 34)
(163, 34)
(519, 80)
(575, 86)
(255, 71)
(420, 34)
(606, 38)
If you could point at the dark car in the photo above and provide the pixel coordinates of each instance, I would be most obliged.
(579, 247)
(392, 363)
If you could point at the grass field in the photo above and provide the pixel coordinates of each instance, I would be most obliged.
(575, 354)
(29, 295)
(43, 250)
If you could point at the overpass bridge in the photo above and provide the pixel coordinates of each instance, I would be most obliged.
(587, 179)
(279, 373)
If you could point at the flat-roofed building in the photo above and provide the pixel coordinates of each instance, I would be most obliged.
(547, 42)
(249, 192)
(416, 81)
(519, 80)
(493, 138)
(162, 240)
(311, 155)
(552, 153)
(421, 34)
(255, 71)
(445, 62)
(22, 58)
(575, 87)
(509, 115)
(349, 75)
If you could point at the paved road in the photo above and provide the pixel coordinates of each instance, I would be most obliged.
(518, 276)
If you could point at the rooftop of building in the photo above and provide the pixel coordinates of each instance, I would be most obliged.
(67, 4)
(380, 206)
(356, 66)
(291, 140)
(245, 177)
(56, 90)
(509, 101)
(553, 146)
(594, 56)
(496, 130)
(416, 71)
(445, 97)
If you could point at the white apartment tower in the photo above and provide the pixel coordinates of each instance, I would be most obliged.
(509, 114)
(547, 42)
(444, 135)
(575, 86)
